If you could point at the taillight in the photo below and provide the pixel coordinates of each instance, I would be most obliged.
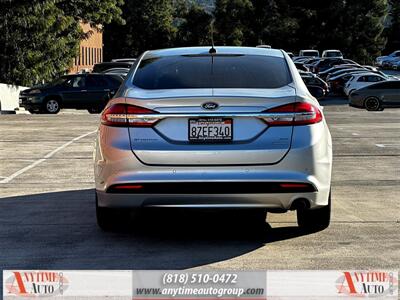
(126, 115)
(297, 113)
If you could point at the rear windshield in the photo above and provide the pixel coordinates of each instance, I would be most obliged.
(310, 53)
(333, 54)
(217, 71)
(98, 68)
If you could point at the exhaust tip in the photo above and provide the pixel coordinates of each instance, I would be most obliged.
(300, 204)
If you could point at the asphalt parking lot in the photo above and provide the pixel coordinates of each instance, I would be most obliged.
(47, 216)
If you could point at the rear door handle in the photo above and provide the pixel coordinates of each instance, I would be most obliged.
(107, 90)
(83, 90)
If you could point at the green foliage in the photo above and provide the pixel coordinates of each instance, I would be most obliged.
(149, 25)
(393, 31)
(193, 25)
(40, 38)
(354, 26)
(233, 21)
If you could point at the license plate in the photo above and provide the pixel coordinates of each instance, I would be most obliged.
(210, 130)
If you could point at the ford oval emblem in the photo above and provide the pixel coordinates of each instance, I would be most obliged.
(210, 105)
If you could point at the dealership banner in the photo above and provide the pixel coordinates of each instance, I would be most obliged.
(201, 284)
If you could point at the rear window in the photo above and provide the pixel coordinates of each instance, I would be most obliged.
(333, 54)
(310, 53)
(217, 71)
(101, 67)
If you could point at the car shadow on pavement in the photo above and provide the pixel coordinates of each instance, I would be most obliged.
(58, 230)
(334, 101)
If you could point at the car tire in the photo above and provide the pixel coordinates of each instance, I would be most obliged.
(51, 106)
(315, 219)
(110, 219)
(372, 104)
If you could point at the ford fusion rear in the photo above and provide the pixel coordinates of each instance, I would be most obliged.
(230, 128)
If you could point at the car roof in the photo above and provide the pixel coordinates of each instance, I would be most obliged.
(220, 50)
(117, 69)
(349, 73)
(346, 70)
(366, 74)
(115, 63)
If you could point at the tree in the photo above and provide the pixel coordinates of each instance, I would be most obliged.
(193, 25)
(273, 24)
(233, 19)
(357, 29)
(354, 26)
(393, 31)
(41, 37)
(149, 25)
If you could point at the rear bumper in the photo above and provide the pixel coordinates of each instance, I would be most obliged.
(271, 201)
(308, 161)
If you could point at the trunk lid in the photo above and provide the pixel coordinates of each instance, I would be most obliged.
(253, 141)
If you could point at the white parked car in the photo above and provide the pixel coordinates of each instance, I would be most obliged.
(381, 59)
(309, 53)
(332, 54)
(358, 81)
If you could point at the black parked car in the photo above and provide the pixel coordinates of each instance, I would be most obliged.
(81, 91)
(328, 63)
(337, 83)
(301, 66)
(316, 86)
(377, 96)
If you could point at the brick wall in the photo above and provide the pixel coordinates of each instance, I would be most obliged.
(90, 50)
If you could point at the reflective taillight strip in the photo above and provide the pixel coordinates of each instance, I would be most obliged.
(285, 118)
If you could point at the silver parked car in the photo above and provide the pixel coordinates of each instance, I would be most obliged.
(224, 127)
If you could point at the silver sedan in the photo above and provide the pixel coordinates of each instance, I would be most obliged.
(215, 128)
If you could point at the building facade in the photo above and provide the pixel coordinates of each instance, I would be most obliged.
(90, 51)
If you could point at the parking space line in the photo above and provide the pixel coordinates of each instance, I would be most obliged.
(47, 156)
(388, 145)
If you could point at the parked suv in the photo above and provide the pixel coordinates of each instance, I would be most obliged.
(310, 53)
(216, 128)
(332, 54)
(80, 91)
